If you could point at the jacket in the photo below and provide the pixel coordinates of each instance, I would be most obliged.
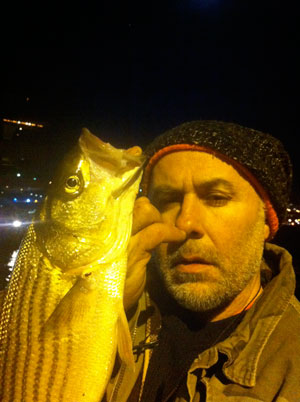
(261, 357)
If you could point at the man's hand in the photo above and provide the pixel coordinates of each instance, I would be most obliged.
(148, 232)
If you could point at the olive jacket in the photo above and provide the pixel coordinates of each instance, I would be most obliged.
(262, 355)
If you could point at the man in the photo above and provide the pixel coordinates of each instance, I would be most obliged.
(218, 319)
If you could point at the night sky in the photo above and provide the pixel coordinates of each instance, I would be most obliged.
(130, 73)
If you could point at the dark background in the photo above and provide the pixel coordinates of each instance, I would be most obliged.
(130, 70)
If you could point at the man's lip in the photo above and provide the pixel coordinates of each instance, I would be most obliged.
(192, 259)
(193, 267)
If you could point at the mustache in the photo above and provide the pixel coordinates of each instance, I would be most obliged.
(193, 252)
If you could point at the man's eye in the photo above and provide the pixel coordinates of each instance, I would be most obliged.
(217, 200)
(162, 205)
(166, 202)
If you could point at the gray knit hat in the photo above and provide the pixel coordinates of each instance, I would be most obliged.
(259, 157)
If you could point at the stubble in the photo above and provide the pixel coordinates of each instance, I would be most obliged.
(229, 275)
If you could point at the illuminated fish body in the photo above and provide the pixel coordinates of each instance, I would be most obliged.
(62, 318)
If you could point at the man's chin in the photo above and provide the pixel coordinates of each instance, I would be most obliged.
(198, 297)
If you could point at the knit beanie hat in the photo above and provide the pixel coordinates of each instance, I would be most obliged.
(258, 157)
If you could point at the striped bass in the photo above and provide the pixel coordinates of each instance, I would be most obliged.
(63, 319)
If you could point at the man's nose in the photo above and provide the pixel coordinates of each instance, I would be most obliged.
(189, 217)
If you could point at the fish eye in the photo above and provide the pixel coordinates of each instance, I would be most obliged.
(72, 184)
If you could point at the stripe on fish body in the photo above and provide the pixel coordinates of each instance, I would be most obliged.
(62, 319)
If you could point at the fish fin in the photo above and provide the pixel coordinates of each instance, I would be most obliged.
(124, 340)
(72, 310)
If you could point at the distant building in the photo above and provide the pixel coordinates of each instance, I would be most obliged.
(21, 141)
(293, 215)
(23, 177)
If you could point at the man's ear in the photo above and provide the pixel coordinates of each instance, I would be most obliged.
(267, 231)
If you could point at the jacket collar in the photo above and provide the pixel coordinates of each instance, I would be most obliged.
(245, 345)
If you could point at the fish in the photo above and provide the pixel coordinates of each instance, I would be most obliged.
(62, 320)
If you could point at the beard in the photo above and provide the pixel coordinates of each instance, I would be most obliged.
(217, 286)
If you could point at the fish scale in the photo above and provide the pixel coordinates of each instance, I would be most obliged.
(22, 370)
(63, 318)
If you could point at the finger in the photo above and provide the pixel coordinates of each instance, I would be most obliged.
(145, 241)
(144, 214)
(150, 237)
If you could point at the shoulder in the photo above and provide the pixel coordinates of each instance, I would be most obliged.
(288, 328)
(282, 351)
(286, 333)
(279, 360)
(295, 307)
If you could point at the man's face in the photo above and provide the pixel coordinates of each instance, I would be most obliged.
(224, 220)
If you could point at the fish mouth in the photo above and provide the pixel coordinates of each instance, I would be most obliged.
(109, 157)
(125, 164)
(129, 181)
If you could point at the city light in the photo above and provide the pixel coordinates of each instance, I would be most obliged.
(17, 224)
(293, 215)
(28, 200)
(18, 174)
(24, 123)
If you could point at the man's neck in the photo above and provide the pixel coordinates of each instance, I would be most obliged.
(243, 300)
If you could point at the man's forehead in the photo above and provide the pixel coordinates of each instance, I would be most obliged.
(201, 165)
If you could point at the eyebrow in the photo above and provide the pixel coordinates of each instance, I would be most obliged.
(218, 182)
(203, 187)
